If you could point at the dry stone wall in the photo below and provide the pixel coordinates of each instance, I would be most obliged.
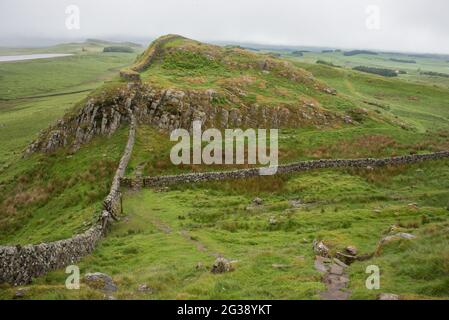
(284, 169)
(20, 264)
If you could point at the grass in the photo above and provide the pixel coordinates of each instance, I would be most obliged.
(168, 239)
(44, 197)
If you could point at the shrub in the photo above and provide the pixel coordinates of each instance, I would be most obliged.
(378, 71)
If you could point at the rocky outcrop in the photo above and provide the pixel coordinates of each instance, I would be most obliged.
(286, 169)
(168, 110)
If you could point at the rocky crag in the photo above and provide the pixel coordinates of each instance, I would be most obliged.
(167, 110)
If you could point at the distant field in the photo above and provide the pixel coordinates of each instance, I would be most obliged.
(385, 60)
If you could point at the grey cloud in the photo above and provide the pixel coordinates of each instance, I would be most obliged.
(405, 25)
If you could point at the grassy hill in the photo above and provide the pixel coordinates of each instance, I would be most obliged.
(169, 238)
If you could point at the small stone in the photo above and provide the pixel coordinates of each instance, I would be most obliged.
(398, 236)
(352, 250)
(320, 266)
(388, 296)
(320, 248)
(295, 203)
(144, 288)
(221, 265)
(413, 205)
(273, 221)
(21, 292)
(340, 263)
(346, 258)
(199, 266)
(257, 201)
(336, 269)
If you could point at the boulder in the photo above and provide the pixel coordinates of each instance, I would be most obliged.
(346, 258)
(100, 281)
(397, 236)
(388, 296)
(221, 265)
(320, 248)
(352, 250)
(144, 288)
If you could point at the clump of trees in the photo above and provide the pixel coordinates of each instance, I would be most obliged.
(378, 71)
(327, 63)
(118, 49)
(402, 60)
(356, 52)
(298, 53)
(434, 74)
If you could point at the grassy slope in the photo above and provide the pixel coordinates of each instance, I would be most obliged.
(165, 235)
(49, 198)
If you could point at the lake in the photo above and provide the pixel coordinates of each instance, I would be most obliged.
(33, 56)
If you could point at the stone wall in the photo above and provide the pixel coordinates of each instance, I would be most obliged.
(19, 264)
(283, 169)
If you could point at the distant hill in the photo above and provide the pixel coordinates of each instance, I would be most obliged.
(356, 52)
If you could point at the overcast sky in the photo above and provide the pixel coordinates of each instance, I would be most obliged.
(403, 25)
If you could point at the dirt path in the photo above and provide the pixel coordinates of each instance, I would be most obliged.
(334, 277)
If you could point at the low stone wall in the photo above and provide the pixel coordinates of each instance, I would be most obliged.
(19, 264)
(283, 169)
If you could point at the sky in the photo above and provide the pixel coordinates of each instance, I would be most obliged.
(394, 25)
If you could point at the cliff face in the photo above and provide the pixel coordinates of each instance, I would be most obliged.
(167, 110)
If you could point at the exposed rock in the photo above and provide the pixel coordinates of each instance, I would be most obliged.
(346, 258)
(21, 293)
(257, 201)
(330, 91)
(340, 263)
(388, 296)
(295, 203)
(347, 119)
(397, 236)
(320, 248)
(100, 281)
(352, 250)
(336, 269)
(144, 288)
(221, 265)
(321, 264)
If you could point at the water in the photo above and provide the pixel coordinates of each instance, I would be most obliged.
(32, 56)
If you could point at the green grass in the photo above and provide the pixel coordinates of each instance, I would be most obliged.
(168, 239)
(52, 197)
(165, 235)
